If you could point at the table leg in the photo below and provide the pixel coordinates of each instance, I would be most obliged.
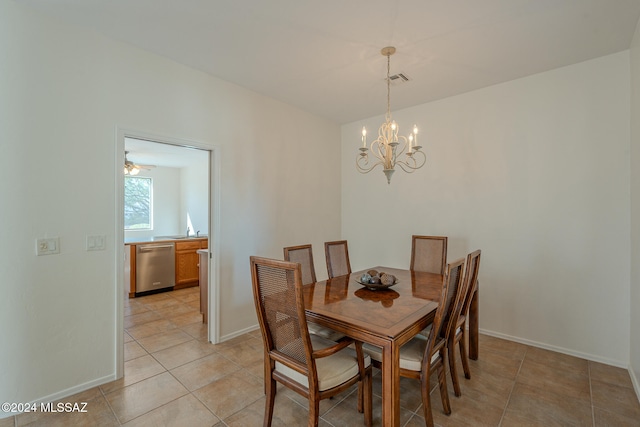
(473, 324)
(391, 385)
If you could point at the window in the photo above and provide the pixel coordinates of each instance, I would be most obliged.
(137, 203)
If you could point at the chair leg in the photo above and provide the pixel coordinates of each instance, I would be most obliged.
(463, 353)
(368, 419)
(426, 400)
(444, 395)
(314, 411)
(361, 391)
(452, 366)
(270, 391)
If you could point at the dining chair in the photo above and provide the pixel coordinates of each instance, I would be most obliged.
(422, 356)
(303, 254)
(459, 334)
(310, 365)
(428, 254)
(337, 254)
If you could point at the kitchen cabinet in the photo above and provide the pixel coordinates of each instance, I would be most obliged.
(187, 273)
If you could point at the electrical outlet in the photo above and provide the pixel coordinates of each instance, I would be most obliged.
(48, 246)
(96, 242)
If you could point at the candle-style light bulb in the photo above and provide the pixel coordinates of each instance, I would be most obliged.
(364, 137)
(410, 142)
(415, 134)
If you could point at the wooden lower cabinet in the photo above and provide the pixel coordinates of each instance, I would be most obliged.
(187, 258)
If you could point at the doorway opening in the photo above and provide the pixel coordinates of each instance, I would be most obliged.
(172, 197)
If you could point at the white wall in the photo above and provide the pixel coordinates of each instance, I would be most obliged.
(634, 301)
(166, 194)
(194, 195)
(65, 92)
(535, 172)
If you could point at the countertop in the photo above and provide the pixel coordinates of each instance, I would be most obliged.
(154, 239)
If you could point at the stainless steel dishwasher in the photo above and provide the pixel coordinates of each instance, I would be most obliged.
(155, 267)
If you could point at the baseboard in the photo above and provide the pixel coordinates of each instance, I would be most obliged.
(636, 383)
(587, 356)
(65, 393)
(238, 333)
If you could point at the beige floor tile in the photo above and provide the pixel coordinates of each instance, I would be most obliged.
(285, 413)
(127, 338)
(7, 422)
(540, 405)
(199, 373)
(497, 364)
(185, 411)
(616, 399)
(604, 418)
(410, 394)
(465, 411)
(230, 394)
(140, 319)
(243, 354)
(567, 382)
(610, 374)
(98, 413)
(497, 346)
(483, 387)
(195, 304)
(135, 309)
(151, 328)
(233, 342)
(176, 310)
(181, 354)
(144, 396)
(188, 297)
(345, 412)
(162, 303)
(164, 340)
(186, 319)
(133, 350)
(558, 361)
(197, 330)
(135, 370)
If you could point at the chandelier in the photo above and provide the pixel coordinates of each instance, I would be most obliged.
(389, 148)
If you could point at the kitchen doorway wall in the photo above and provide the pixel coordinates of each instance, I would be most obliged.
(186, 194)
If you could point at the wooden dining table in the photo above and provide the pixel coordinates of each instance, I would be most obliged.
(385, 318)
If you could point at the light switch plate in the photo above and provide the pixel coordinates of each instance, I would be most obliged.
(48, 246)
(96, 242)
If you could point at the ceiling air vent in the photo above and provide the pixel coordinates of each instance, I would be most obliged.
(399, 78)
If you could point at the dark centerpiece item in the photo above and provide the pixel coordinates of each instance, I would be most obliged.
(377, 281)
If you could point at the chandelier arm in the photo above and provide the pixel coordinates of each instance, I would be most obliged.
(417, 163)
(363, 169)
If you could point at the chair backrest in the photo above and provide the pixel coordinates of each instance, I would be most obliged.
(428, 254)
(277, 293)
(303, 255)
(448, 295)
(452, 305)
(337, 254)
(471, 279)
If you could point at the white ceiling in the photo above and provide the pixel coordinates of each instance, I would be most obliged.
(143, 152)
(324, 56)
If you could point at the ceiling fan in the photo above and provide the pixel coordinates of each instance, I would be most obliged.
(131, 168)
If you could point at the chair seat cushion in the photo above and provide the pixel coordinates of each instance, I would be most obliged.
(411, 353)
(332, 370)
(323, 332)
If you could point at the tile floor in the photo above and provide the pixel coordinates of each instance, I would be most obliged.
(174, 377)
